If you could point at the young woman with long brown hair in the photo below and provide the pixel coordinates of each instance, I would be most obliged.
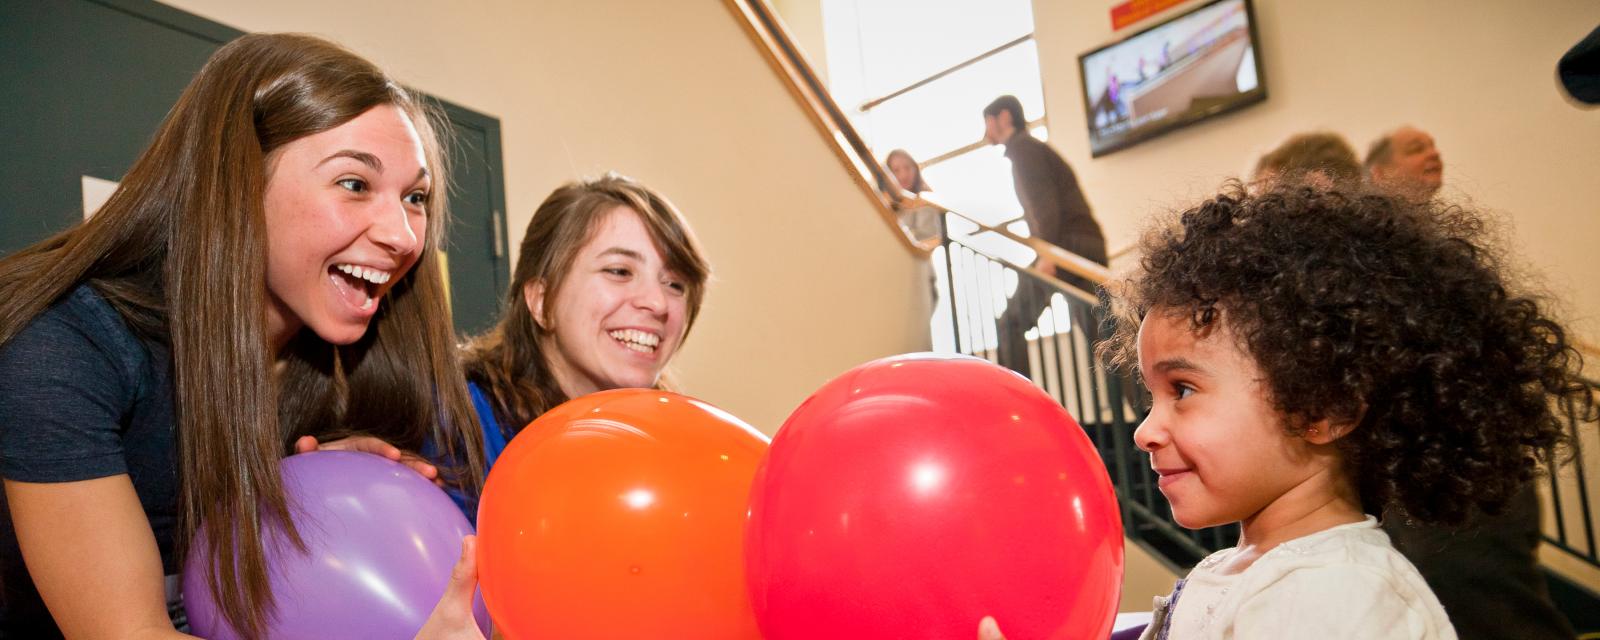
(265, 272)
(609, 281)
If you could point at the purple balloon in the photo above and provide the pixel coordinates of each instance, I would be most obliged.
(380, 543)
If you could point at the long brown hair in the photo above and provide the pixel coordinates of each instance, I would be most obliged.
(509, 362)
(180, 251)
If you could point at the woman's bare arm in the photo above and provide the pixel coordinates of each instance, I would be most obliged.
(93, 557)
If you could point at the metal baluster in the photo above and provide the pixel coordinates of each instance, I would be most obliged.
(1072, 348)
(1061, 376)
(981, 269)
(976, 296)
(950, 278)
(1555, 503)
(957, 256)
(1028, 302)
(1583, 489)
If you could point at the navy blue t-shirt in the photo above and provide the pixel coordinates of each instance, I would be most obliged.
(83, 397)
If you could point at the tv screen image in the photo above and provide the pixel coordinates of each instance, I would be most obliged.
(1191, 67)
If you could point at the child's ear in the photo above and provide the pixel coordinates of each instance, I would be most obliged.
(1328, 430)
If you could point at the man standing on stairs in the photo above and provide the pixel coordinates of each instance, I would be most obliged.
(1056, 212)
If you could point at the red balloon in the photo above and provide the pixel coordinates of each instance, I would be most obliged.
(620, 514)
(912, 496)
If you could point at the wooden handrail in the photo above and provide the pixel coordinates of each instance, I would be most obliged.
(1078, 265)
(772, 38)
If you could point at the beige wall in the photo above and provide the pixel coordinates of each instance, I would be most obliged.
(1478, 74)
(803, 20)
(807, 284)
(1143, 578)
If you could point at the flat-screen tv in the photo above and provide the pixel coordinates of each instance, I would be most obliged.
(1201, 63)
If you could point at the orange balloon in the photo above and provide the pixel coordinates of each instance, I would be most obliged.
(621, 514)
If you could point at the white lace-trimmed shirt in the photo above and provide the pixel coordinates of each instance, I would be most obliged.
(1345, 582)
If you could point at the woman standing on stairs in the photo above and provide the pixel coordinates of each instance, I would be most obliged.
(921, 222)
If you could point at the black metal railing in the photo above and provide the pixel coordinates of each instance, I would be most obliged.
(1047, 330)
(1571, 525)
(979, 287)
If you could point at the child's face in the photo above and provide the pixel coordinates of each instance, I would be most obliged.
(1221, 449)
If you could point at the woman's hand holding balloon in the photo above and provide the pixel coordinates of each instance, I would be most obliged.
(988, 629)
(378, 539)
(452, 617)
(375, 446)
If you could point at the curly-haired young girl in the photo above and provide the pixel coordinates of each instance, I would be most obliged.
(1315, 358)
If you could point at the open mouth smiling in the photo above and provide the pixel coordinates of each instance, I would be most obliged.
(359, 285)
(637, 340)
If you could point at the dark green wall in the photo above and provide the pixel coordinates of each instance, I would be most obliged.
(85, 83)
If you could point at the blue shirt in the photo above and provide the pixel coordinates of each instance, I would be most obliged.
(494, 438)
(83, 397)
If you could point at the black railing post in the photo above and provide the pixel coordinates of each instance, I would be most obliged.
(1564, 539)
(1124, 458)
(950, 278)
(1583, 488)
(1555, 502)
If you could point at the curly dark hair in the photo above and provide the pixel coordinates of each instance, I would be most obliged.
(1395, 316)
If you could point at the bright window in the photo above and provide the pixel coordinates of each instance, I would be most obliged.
(916, 75)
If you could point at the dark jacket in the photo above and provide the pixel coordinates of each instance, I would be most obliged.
(1486, 574)
(1052, 202)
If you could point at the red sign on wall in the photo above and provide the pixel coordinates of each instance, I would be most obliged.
(1133, 11)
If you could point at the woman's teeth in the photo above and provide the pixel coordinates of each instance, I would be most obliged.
(641, 341)
(360, 284)
(369, 274)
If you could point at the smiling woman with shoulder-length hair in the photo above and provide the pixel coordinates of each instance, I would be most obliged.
(609, 281)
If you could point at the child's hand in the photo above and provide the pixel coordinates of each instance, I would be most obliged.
(369, 444)
(452, 617)
(988, 629)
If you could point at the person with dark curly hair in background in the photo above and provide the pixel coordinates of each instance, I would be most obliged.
(1318, 358)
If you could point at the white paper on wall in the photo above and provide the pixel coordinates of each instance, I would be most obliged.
(96, 192)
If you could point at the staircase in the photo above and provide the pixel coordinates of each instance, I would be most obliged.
(974, 288)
